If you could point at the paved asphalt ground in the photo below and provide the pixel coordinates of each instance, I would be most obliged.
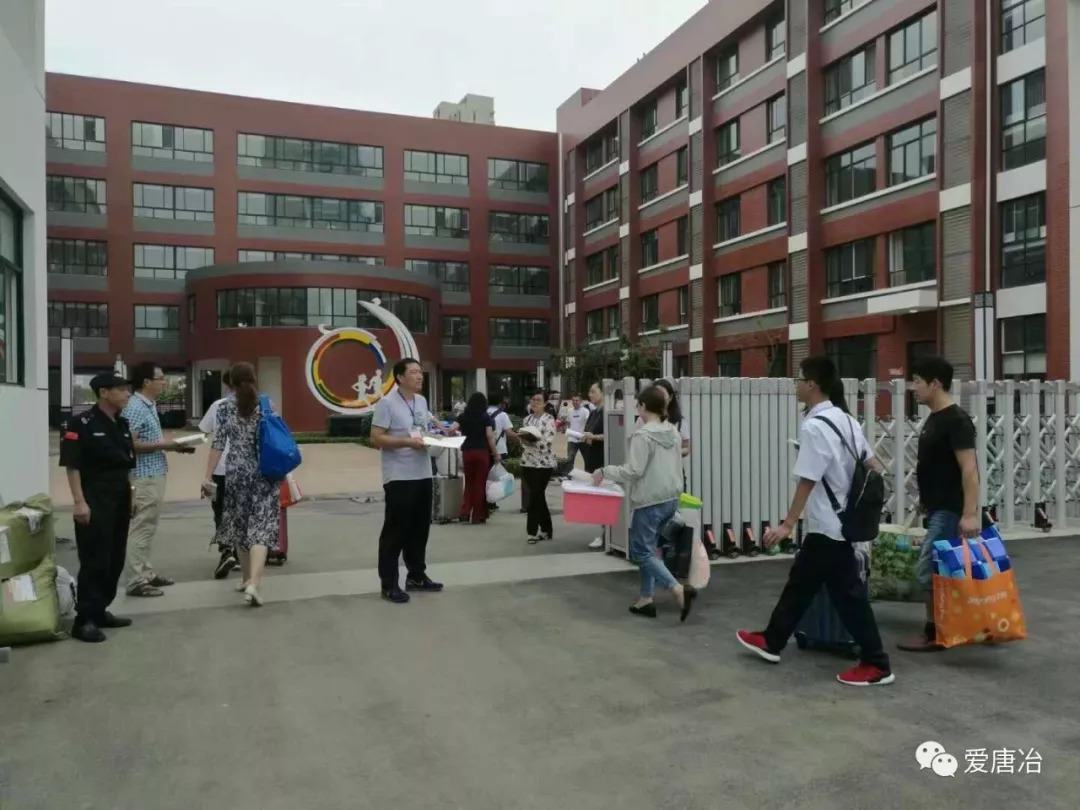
(540, 694)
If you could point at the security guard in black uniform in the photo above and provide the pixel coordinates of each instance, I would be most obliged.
(98, 452)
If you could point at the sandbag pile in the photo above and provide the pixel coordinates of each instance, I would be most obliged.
(29, 606)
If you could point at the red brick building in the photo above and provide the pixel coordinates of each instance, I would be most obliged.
(198, 229)
(872, 179)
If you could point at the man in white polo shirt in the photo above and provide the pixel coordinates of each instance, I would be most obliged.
(576, 419)
(208, 425)
(826, 558)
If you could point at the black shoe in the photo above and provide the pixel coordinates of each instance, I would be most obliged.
(225, 564)
(87, 631)
(648, 610)
(689, 595)
(423, 583)
(395, 595)
(114, 621)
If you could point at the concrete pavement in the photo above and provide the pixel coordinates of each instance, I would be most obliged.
(516, 688)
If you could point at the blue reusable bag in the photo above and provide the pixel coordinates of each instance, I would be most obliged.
(278, 453)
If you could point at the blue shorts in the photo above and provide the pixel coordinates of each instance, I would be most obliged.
(941, 526)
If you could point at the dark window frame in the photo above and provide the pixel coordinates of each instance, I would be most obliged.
(777, 281)
(849, 268)
(729, 219)
(1023, 257)
(776, 107)
(649, 182)
(172, 256)
(1031, 331)
(682, 167)
(77, 257)
(916, 245)
(308, 155)
(776, 357)
(842, 87)
(915, 144)
(538, 182)
(649, 118)
(456, 330)
(518, 228)
(775, 47)
(776, 200)
(650, 248)
(450, 222)
(837, 8)
(855, 357)
(286, 307)
(171, 314)
(433, 167)
(682, 99)
(529, 332)
(729, 363)
(521, 279)
(727, 143)
(142, 197)
(78, 195)
(912, 47)
(172, 132)
(1017, 29)
(12, 306)
(94, 317)
(727, 67)
(846, 174)
(729, 295)
(682, 236)
(306, 212)
(452, 276)
(650, 312)
(70, 125)
(1032, 117)
(683, 304)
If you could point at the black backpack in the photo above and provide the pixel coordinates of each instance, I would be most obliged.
(860, 519)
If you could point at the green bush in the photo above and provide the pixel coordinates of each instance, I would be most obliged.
(312, 437)
(513, 466)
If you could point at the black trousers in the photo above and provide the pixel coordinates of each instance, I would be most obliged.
(218, 503)
(102, 546)
(406, 525)
(539, 516)
(828, 562)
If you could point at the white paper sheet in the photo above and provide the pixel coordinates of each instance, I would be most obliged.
(33, 517)
(22, 588)
(194, 438)
(448, 442)
(5, 549)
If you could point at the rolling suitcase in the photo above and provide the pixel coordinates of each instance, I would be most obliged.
(279, 554)
(447, 488)
(821, 628)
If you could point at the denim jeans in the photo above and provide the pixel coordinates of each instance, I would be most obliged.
(942, 525)
(645, 526)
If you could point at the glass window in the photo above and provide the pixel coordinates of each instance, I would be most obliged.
(649, 119)
(170, 261)
(1023, 121)
(649, 183)
(322, 213)
(1022, 21)
(84, 133)
(516, 279)
(777, 356)
(439, 221)
(11, 314)
(650, 313)
(594, 324)
(729, 363)
(912, 152)
(777, 285)
(684, 305)
(850, 79)
(727, 143)
(601, 150)
(834, 8)
(682, 236)
(602, 266)
(517, 175)
(529, 229)
(727, 67)
(1023, 347)
(314, 306)
(452, 276)
(1023, 241)
(682, 166)
(455, 330)
(729, 295)
(851, 175)
(650, 248)
(172, 142)
(299, 155)
(83, 319)
(776, 39)
(682, 99)
(77, 257)
(776, 115)
(602, 209)
(173, 202)
(913, 47)
(284, 256)
(849, 268)
(776, 200)
(157, 322)
(437, 167)
(80, 195)
(519, 332)
(727, 218)
(855, 357)
(912, 255)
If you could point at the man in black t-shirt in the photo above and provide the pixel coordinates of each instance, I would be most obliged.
(948, 479)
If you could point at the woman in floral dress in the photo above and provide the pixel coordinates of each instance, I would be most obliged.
(250, 519)
(537, 465)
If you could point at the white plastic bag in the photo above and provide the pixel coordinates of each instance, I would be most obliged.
(699, 564)
(65, 592)
(498, 472)
(500, 484)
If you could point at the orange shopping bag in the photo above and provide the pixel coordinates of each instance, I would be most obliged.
(290, 492)
(973, 611)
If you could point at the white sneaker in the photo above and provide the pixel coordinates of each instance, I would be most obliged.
(241, 587)
(598, 543)
(251, 596)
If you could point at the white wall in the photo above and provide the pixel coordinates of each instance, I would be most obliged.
(24, 432)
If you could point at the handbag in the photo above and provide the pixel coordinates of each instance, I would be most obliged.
(278, 452)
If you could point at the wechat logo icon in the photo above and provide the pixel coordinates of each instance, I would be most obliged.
(932, 755)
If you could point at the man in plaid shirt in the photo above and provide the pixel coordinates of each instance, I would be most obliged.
(148, 477)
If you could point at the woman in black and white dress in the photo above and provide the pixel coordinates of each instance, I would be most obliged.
(537, 465)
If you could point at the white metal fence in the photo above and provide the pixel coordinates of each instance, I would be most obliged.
(742, 451)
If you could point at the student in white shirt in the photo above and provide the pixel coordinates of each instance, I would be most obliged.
(825, 558)
(576, 419)
(208, 425)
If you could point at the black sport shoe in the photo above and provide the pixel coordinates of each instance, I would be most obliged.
(225, 564)
(423, 583)
(108, 620)
(87, 631)
(395, 595)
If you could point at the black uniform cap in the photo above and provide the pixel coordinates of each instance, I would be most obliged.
(108, 380)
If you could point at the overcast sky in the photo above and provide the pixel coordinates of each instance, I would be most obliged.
(399, 56)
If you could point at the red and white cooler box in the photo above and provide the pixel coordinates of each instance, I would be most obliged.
(590, 504)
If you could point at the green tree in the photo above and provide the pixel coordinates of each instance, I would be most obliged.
(583, 365)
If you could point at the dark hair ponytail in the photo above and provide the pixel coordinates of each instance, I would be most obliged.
(822, 372)
(674, 412)
(244, 388)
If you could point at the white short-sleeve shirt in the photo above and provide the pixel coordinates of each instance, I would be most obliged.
(209, 425)
(822, 456)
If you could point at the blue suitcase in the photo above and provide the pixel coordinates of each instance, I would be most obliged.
(821, 628)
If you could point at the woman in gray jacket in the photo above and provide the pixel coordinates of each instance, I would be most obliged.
(653, 478)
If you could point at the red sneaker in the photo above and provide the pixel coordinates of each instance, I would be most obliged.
(755, 642)
(865, 675)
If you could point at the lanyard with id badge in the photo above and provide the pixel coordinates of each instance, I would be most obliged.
(419, 418)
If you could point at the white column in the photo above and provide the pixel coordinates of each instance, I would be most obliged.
(481, 380)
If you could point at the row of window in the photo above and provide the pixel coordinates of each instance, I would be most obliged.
(314, 306)
(729, 362)
(90, 320)
(457, 331)
(850, 268)
(87, 133)
(729, 291)
(729, 211)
